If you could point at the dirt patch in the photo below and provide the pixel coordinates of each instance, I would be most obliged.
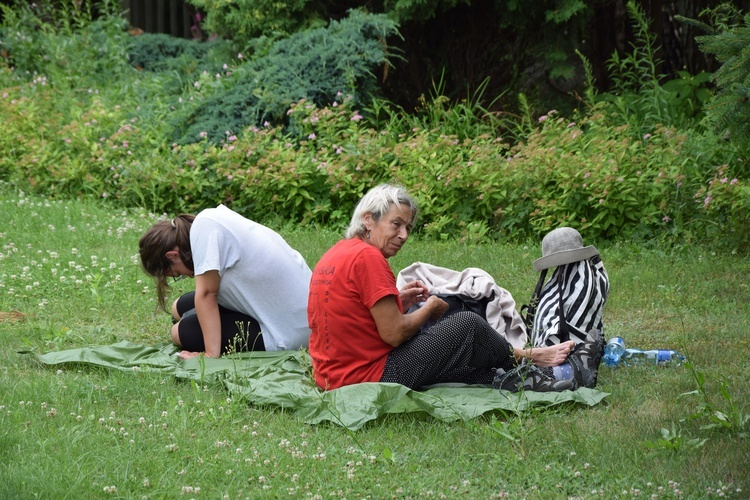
(12, 317)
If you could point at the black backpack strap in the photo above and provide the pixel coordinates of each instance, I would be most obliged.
(529, 311)
(563, 329)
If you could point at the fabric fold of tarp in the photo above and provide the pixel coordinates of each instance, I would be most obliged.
(282, 379)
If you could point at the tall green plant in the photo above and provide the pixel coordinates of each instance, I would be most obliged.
(639, 96)
(729, 110)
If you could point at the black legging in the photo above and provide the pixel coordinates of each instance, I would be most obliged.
(460, 348)
(239, 332)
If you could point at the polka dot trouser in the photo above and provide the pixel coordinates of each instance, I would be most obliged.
(460, 348)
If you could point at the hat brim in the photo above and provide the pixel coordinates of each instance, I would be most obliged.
(564, 257)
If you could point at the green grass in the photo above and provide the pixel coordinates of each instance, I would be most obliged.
(78, 432)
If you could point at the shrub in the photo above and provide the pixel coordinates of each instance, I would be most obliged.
(66, 46)
(316, 65)
(243, 20)
(162, 53)
(730, 109)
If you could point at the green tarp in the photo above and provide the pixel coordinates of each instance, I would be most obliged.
(283, 379)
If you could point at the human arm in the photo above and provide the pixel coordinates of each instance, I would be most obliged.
(207, 309)
(394, 327)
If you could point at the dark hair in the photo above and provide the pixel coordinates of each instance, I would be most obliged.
(154, 245)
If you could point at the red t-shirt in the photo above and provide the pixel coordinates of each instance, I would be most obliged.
(344, 344)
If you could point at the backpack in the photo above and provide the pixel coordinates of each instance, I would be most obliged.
(569, 305)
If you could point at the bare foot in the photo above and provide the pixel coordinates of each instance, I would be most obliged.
(549, 356)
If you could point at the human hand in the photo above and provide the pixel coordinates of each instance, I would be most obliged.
(413, 293)
(438, 307)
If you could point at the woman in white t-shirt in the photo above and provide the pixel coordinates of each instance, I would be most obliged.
(251, 287)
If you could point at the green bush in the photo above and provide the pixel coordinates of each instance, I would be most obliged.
(158, 52)
(244, 20)
(730, 109)
(318, 65)
(613, 178)
(66, 46)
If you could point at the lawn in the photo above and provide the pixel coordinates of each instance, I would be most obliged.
(69, 278)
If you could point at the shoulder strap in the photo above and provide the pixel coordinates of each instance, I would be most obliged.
(529, 311)
(563, 329)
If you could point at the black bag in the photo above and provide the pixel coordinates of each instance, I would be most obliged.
(458, 303)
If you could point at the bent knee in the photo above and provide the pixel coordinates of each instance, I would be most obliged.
(176, 334)
(175, 314)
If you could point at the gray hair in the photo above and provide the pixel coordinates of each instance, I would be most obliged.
(377, 202)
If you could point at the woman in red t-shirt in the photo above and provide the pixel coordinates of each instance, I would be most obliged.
(360, 332)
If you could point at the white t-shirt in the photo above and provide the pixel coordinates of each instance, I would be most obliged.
(261, 275)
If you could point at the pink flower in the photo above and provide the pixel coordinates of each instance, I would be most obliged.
(666, 218)
(357, 117)
(733, 181)
(203, 134)
(311, 136)
(646, 137)
(707, 201)
(724, 180)
(543, 118)
(232, 138)
(239, 56)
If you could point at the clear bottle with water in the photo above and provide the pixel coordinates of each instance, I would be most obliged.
(633, 357)
(613, 351)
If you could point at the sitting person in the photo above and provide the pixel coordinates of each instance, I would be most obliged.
(251, 287)
(360, 333)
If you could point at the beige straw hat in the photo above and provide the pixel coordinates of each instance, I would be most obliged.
(562, 246)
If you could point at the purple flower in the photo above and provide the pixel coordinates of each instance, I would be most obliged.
(733, 181)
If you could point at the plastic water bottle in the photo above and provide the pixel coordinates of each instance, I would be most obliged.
(613, 351)
(652, 357)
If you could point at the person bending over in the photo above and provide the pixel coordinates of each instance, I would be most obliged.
(251, 287)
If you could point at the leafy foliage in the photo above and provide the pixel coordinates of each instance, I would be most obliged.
(318, 65)
(730, 108)
(64, 43)
(638, 97)
(243, 20)
(477, 175)
(159, 52)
